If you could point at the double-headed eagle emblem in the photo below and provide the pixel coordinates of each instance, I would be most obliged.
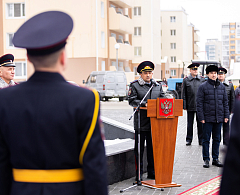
(166, 107)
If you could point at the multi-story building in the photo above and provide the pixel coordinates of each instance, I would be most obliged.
(179, 41)
(146, 38)
(104, 33)
(213, 48)
(230, 43)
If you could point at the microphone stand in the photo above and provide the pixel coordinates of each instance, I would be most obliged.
(139, 183)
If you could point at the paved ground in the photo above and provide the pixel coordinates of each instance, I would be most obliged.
(188, 169)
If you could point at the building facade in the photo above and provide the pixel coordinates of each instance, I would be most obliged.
(213, 48)
(230, 43)
(107, 34)
(179, 41)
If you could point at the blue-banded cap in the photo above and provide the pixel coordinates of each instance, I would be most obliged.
(44, 33)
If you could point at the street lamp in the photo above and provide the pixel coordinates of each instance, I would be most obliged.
(117, 46)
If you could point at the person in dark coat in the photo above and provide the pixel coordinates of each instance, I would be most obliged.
(212, 110)
(189, 94)
(50, 135)
(137, 91)
(231, 169)
(231, 98)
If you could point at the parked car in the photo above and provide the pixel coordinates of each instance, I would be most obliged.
(109, 84)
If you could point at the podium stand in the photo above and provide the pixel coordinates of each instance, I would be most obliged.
(164, 121)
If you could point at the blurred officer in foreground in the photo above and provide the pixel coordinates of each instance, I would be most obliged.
(237, 92)
(212, 110)
(189, 94)
(137, 91)
(7, 71)
(50, 139)
(231, 98)
(231, 169)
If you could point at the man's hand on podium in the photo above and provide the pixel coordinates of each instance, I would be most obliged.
(203, 121)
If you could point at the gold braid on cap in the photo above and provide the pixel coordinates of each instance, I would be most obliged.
(146, 68)
(6, 63)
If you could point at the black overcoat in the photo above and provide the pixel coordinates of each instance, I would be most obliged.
(44, 123)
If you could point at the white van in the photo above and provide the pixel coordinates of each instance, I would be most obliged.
(109, 84)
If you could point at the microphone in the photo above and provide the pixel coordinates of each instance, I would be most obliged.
(154, 82)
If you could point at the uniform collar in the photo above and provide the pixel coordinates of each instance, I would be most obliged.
(191, 77)
(3, 84)
(46, 77)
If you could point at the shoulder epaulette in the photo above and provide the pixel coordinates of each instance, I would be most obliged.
(133, 81)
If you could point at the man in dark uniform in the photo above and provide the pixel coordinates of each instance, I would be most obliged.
(231, 98)
(137, 91)
(231, 170)
(7, 71)
(50, 136)
(212, 110)
(189, 94)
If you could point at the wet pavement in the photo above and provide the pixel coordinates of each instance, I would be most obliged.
(188, 164)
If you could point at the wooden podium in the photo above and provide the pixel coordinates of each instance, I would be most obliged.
(164, 121)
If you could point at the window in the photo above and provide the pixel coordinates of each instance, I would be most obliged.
(103, 65)
(135, 71)
(232, 47)
(172, 18)
(113, 35)
(9, 40)
(225, 37)
(225, 47)
(173, 45)
(232, 31)
(233, 57)
(137, 31)
(225, 43)
(102, 9)
(137, 51)
(232, 36)
(232, 26)
(173, 72)
(15, 10)
(173, 58)
(173, 32)
(20, 70)
(225, 58)
(225, 26)
(232, 52)
(137, 11)
(232, 42)
(120, 66)
(103, 39)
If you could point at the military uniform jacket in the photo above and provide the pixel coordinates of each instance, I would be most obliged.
(231, 170)
(231, 95)
(189, 91)
(137, 90)
(44, 125)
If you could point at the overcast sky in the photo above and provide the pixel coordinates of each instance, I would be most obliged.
(207, 15)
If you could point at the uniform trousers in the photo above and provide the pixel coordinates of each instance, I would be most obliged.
(209, 129)
(144, 135)
(190, 120)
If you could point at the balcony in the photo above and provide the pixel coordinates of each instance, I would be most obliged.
(196, 48)
(196, 37)
(125, 52)
(123, 3)
(119, 22)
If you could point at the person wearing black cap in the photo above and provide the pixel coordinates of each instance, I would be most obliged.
(212, 110)
(189, 92)
(231, 98)
(137, 91)
(7, 71)
(50, 134)
(237, 92)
